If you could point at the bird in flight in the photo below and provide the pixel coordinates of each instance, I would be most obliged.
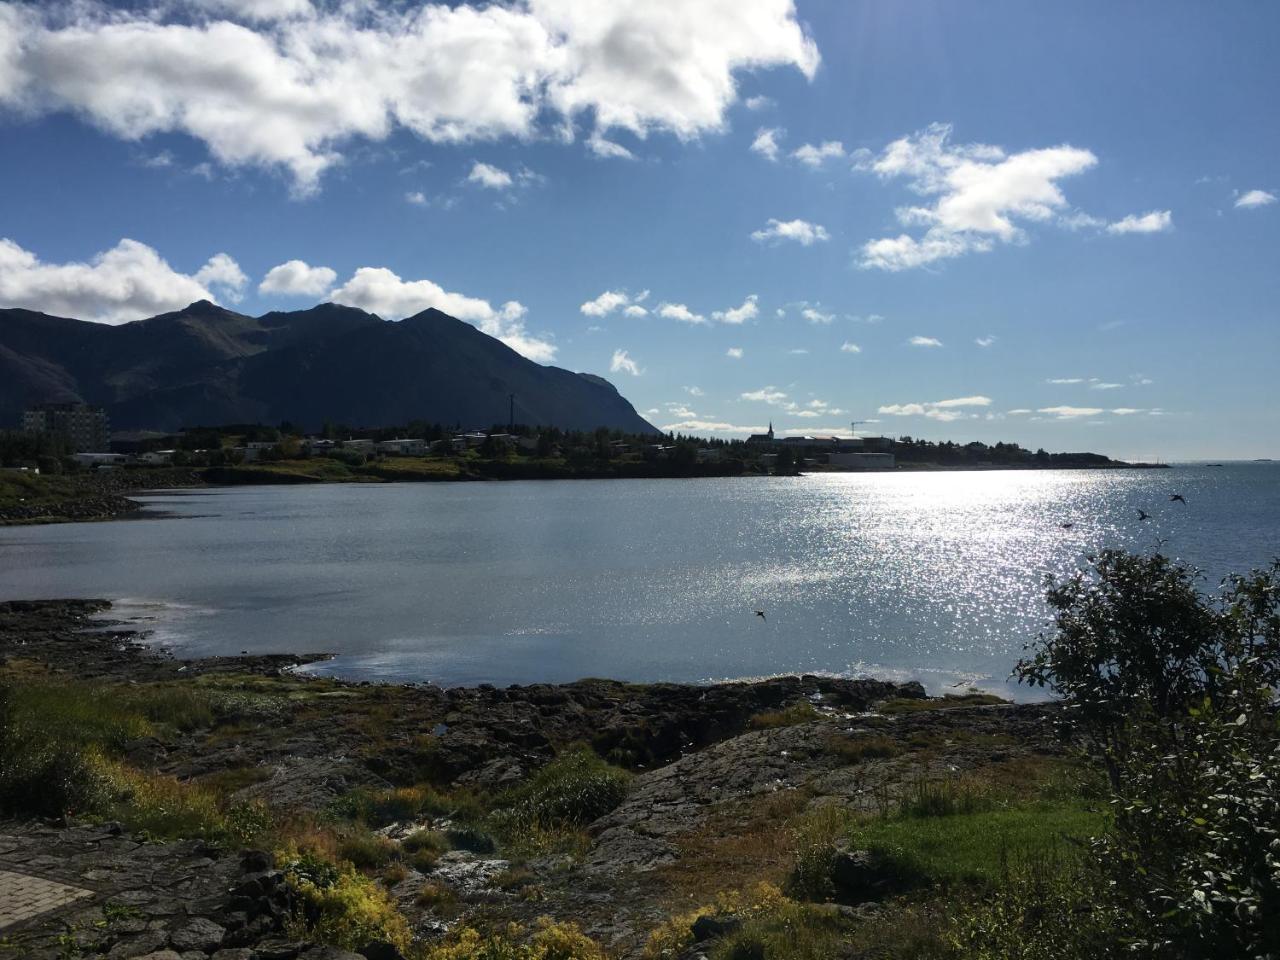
(1143, 515)
(1177, 498)
(760, 614)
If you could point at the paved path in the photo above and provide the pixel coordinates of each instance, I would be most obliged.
(23, 897)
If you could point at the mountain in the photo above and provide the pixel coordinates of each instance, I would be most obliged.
(208, 365)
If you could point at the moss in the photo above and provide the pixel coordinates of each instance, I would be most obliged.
(789, 716)
(857, 749)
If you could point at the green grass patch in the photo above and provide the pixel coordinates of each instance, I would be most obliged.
(977, 847)
(856, 749)
(949, 702)
(789, 716)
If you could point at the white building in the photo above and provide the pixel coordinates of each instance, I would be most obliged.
(406, 447)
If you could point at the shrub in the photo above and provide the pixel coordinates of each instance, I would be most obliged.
(567, 793)
(549, 941)
(1175, 693)
(365, 850)
(346, 909)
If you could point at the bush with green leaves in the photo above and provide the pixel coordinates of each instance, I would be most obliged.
(1175, 692)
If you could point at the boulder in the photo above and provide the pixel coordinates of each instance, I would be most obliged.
(197, 934)
(713, 927)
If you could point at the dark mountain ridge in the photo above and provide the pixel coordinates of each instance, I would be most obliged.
(205, 364)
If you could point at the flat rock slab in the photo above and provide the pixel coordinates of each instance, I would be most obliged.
(23, 897)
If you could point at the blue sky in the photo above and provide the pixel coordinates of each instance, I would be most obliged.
(1079, 192)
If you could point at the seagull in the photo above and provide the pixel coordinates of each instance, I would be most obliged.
(1178, 498)
(1066, 526)
(760, 614)
(1143, 515)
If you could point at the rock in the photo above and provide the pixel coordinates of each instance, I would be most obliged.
(138, 946)
(256, 861)
(233, 953)
(380, 950)
(278, 948)
(326, 953)
(713, 928)
(197, 934)
(860, 876)
(913, 690)
(161, 955)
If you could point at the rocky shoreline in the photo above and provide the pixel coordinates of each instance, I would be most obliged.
(707, 773)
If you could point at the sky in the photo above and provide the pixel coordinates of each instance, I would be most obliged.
(1054, 224)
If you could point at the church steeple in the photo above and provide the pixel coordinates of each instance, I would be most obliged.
(770, 429)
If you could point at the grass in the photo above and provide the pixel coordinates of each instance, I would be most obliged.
(857, 749)
(789, 716)
(548, 811)
(949, 702)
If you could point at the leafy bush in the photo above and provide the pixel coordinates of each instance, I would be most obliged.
(365, 850)
(345, 909)
(1175, 693)
(549, 941)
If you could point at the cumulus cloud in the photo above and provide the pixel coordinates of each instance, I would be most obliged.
(694, 391)
(740, 314)
(1255, 198)
(978, 194)
(281, 84)
(710, 426)
(815, 156)
(766, 142)
(919, 341)
(608, 149)
(678, 311)
(296, 278)
(381, 291)
(1061, 380)
(770, 395)
(622, 363)
(128, 282)
(850, 347)
(605, 304)
(984, 342)
(490, 177)
(757, 103)
(943, 410)
(816, 316)
(801, 231)
(1157, 221)
(1099, 385)
(734, 353)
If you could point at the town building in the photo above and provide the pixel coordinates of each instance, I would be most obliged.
(406, 447)
(85, 428)
(762, 437)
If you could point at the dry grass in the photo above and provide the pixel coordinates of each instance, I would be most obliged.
(789, 716)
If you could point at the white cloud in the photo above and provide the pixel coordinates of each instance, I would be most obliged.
(1020, 411)
(635, 310)
(1061, 380)
(799, 351)
(607, 149)
(694, 391)
(605, 304)
(1071, 413)
(816, 316)
(984, 341)
(678, 311)
(1099, 385)
(815, 156)
(1079, 220)
(1127, 411)
(756, 103)
(737, 315)
(734, 353)
(222, 271)
(489, 176)
(1157, 221)
(919, 341)
(980, 192)
(128, 282)
(1255, 198)
(770, 395)
(381, 291)
(622, 363)
(290, 92)
(850, 347)
(869, 318)
(942, 410)
(416, 198)
(710, 426)
(801, 231)
(296, 278)
(766, 142)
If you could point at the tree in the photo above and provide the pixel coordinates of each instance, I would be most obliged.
(786, 462)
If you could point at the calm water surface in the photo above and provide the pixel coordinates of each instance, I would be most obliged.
(933, 576)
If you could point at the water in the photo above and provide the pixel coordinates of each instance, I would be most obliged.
(931, 576)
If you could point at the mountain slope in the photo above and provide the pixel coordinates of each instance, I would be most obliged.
(206, 365)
